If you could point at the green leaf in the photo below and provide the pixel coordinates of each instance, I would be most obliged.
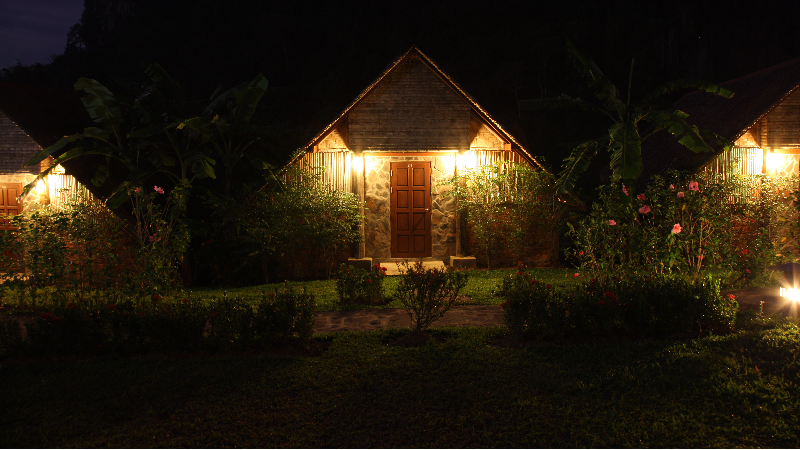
(101, 105)
(160, 76)
(576, 164)
(248, 99)
(688, 135)
(42, 155)
(626, 151)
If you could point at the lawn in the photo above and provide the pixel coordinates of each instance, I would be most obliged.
(480, 288)
(459, 390)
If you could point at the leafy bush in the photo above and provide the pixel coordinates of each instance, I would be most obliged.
(128, 325)
(684, 223)
(655, 306)
(355, 285)
(427, 294)
(504, 202)
(76, 249)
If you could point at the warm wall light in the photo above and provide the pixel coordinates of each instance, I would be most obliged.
(790, 294)
(774, 161)
(467, 160)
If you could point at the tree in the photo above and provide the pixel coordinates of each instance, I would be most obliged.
(623, 141)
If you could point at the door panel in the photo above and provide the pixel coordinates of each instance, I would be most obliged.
(410, 209)
(8, 203)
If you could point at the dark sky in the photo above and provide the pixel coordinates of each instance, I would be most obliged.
(33, 30)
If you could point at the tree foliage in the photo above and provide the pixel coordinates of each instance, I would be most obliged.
(623, 138)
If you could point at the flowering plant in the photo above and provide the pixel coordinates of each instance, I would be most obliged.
(427, 294)
(356, 285)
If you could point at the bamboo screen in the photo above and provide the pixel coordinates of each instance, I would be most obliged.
(336, 165)
(487, 157)
(747, 162)
(62, 188)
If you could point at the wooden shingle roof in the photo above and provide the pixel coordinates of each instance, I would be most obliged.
(412, 53)
(755, 95)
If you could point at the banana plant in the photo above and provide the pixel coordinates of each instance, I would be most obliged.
(624, 137)
(224, 127)
(143, 143)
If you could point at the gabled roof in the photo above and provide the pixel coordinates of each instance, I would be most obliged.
(416, 52)
(44, 115)
(754, 96)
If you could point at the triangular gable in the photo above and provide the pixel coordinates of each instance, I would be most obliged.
(490, 125)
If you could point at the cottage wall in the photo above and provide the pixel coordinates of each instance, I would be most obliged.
(17, 148)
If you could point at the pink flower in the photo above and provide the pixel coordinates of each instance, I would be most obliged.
(137, 190)
(671, 187)
(694, 186)
(152, 238)
(644, 209)
(612, 222)
(158, 189)
(601, 303)
(640, 196)
(576, 275)
(680, 194)
(624, 191)
(676, 228)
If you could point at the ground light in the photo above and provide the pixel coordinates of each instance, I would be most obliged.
(789, 291)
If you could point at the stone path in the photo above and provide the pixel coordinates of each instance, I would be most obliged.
(492, 315)
(392, 268)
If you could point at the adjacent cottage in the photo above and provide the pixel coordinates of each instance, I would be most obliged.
(762, 120)
(406, 132)
(32, 119)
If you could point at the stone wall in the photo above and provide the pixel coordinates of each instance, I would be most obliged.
(377, 223)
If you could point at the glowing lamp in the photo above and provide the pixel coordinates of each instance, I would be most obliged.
(791, 273)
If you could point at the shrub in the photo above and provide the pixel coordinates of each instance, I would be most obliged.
(504, 202)
(654, 306)
(355, 285)
(129, 325)
(683, 223)
(427, 294)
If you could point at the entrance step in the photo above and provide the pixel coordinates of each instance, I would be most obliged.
(391, 264)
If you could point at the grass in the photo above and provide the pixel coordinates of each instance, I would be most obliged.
(459, 390)
(480, 288)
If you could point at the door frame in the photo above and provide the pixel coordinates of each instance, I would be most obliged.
(393, 206)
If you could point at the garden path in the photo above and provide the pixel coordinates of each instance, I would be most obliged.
(492, 315)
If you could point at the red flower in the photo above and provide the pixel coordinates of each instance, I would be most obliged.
(369, 281)
(55, 319)
(601, 303)
(127, 314)
(610, 295)
(593, 280)
(71, 305)
(185, 300)
(141, 314)
(617, 279)
(156, 297)
(745, 251)
(110, 306)
(580, 253)
(519, 273)
(534, 282)
(270, 295)
(549, 286)
(213, 314)
(576, 275)
(747, 270)
(731, 296)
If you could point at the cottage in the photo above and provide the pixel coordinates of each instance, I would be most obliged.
(762, 120)
(406, 132)
(32, 119)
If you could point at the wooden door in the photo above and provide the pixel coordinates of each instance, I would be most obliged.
(411, 209)
(9, 204)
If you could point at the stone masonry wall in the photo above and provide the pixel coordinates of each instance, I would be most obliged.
(377, 223)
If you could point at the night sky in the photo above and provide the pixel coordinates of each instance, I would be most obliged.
(34, 30)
